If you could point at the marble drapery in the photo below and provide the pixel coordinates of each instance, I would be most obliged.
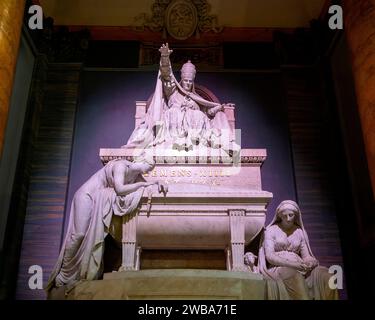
(178, 118)
(278, 250)
(93, 206)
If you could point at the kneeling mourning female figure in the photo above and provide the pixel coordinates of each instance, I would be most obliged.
(116, 189)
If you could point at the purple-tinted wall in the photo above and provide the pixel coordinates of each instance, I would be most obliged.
(105, 119)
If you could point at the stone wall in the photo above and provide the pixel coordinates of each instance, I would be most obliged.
(48, 177)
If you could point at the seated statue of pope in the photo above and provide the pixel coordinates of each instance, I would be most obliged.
(178, 117)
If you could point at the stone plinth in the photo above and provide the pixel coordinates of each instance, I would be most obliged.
(172, 284)
(211, 204)
(213, 168)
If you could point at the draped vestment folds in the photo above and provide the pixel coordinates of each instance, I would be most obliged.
(180, 120)
(81, 255)
(286, 283)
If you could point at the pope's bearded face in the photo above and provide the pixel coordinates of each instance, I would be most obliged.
(187, 84)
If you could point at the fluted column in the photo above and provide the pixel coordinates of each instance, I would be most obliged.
(129, 243)
(11, 16)
(359, 20)
(237, 235)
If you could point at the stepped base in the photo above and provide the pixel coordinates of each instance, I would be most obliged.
(172, 284)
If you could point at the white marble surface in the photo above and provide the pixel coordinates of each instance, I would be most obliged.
(173, 284)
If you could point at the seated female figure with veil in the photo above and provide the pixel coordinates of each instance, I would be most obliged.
(287, 262)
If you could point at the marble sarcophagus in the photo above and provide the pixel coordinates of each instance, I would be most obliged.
(210, 204)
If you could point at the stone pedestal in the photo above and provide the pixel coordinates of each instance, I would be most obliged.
(172, 284)
(208, 206)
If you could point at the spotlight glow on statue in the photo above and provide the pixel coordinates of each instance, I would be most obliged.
(116, 189)
(286, 260)
(178, 118)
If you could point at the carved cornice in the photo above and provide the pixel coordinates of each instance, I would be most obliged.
(248, 156)
(179, 18)
(229, 34)
(208, 55)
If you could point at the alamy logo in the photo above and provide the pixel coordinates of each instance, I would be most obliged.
(336, 21)
(36, 280)
(36, 20)
(335, 281)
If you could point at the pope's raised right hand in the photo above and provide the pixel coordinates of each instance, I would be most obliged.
(164, 50)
